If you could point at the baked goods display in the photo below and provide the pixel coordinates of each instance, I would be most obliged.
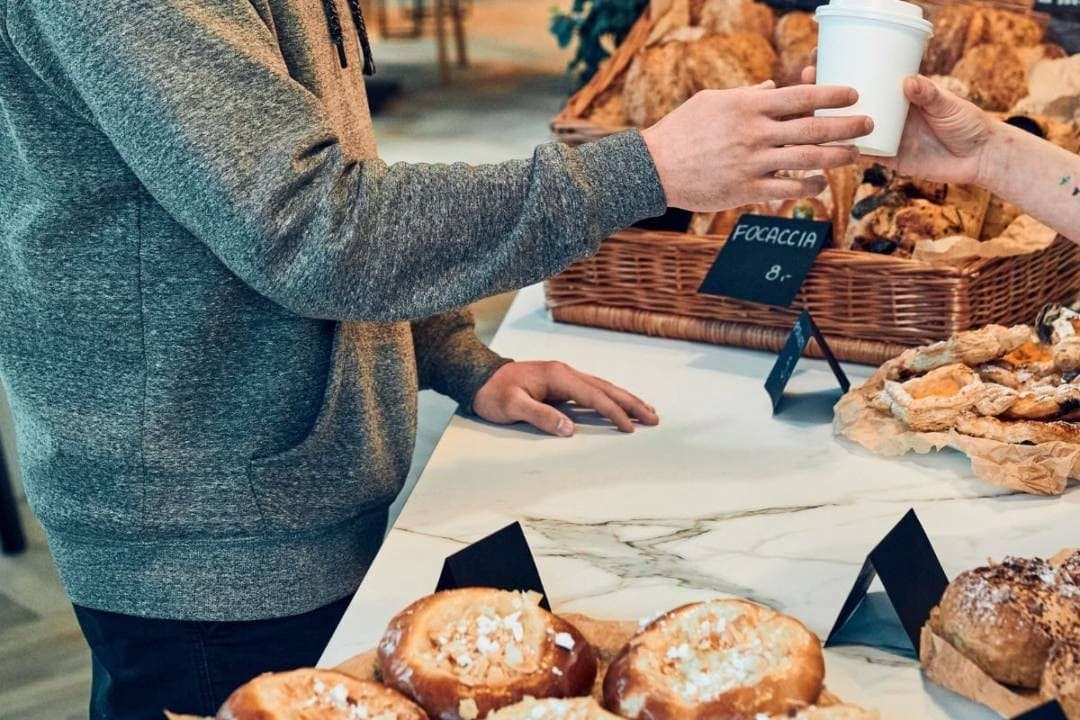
(462, 653)
(995, 54)
(719, 659)
(1013, 387)
(1015, 624)
(486, 653)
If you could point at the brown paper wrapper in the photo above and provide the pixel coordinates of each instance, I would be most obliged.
(1043, 469)
(607, 637)
(944, 665)
(1023, 236)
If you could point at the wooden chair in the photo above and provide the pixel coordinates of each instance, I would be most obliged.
(439, 12)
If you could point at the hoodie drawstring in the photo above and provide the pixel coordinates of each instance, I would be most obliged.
(333, 21)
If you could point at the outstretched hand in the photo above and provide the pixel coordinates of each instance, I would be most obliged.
(724, 148)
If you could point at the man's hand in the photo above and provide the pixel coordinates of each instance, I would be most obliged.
(526, 391)
(723, 148)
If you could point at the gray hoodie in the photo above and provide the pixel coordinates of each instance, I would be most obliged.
(217, 303)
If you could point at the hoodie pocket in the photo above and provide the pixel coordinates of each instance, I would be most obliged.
(357, 454)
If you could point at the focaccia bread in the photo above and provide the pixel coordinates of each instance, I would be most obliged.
(554, 709)
(795, 38)
(462, 653)
(310, 694)
(716, 660)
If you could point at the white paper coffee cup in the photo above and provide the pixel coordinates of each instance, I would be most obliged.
(872, 45)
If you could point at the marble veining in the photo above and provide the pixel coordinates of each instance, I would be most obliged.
(722, 499)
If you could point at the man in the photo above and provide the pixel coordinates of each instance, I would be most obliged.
(217, 304)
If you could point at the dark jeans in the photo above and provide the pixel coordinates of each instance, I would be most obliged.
(141, 666)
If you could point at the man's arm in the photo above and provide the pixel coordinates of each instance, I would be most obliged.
(450, 358)
(197, 100)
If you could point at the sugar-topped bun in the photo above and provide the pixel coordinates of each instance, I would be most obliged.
(462, 653)
(316, 695)
(1006, 617)
(554, 709)
(716, 660)
(832, 712)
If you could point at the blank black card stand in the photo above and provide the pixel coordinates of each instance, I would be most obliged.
(1048, 711)
(12, 539)
(502, 560)
(914, 583)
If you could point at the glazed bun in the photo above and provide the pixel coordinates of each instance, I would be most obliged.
(553, 709)
(462, 653)
(1006, 617)
(316, 695)
(716, 660)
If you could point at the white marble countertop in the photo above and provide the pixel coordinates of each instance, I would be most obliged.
(722, 498)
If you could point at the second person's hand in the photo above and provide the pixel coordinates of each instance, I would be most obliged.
(723, 148)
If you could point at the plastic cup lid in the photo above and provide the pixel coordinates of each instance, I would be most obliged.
(895, 11)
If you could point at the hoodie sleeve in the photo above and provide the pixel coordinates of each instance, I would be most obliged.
(450, 359)
(197, 99)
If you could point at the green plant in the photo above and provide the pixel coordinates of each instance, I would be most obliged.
(599, 26)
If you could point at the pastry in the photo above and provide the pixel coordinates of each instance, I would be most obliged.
(892, 213)
(1061, 678)
(714, 62)
(971, 348)
(832, 712)
(609, 108)
(735, 16)
(316, 695)
(960, 27)
(999, 215)
(949, 41)
(655, 84)
(750, 51)
(462, 653)
(995, 74)
(553, 709)
(933, 401)
(716, 660)
(1005, 618)
(1018, 432)
(795, 38)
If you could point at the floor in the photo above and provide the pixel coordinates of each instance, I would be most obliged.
(496, 109)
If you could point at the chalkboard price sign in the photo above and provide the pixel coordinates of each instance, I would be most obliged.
(766, 259)
(1069, 9)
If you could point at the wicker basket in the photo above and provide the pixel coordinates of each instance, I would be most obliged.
(870, 307)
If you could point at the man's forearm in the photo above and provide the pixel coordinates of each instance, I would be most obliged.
(1040, 178)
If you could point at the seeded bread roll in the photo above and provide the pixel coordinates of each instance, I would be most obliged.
(462, 653)
(718, 660)
(553, 709)
(1006, 617)
(316, 695)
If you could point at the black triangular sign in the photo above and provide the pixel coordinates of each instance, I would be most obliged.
(914, 582)
(1048, 711)
(501, 560)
